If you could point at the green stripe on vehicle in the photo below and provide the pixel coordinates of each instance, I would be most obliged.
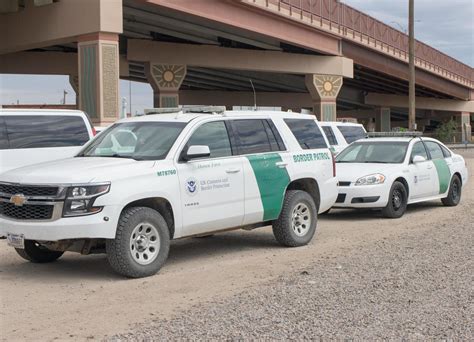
(272, 182)
(444, 174)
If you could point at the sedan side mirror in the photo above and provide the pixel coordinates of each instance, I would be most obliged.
(197, 151)
(418, 159)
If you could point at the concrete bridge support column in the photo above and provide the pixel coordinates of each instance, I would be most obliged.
(324, 90)
(463, 120)
(165, 79)
(99, 76)
(382, 119)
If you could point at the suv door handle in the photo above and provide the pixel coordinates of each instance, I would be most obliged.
(281, 165)
(232, 170)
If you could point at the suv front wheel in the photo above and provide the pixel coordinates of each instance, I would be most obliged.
(141, 244)
(296, 224)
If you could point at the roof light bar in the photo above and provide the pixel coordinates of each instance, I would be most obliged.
(407, 134)
(191, 109)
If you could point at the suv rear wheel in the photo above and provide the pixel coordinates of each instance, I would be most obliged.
(36, 253)
(141, 244)
(296, 224)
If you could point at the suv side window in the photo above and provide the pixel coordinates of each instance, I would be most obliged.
(435, 150)
(418, 150)
(252, 136)
(307, 133)
(352, 133)
(4, 145)
(330, 135)
(213, 134)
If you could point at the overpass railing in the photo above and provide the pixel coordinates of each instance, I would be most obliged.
(355, 25)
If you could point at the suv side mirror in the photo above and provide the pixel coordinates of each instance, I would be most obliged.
(197, 151)
(418, 159)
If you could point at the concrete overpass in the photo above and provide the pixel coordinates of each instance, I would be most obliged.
(319, 54)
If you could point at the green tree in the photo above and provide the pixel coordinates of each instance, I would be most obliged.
(445, 132)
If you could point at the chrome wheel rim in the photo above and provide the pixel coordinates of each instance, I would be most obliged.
(397, 199)
(144, 243)
(455, 190)
(301, 219)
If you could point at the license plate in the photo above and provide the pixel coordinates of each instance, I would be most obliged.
(16, 240)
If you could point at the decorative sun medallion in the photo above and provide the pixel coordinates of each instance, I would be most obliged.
(168, 76)
(328, 86)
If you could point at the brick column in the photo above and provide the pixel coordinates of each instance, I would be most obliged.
(324, 90)
(165, 79)
(99, 76)
(382, 119)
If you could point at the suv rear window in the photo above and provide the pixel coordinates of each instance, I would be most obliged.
(352, 133)
(36, 131)
(307, 133)
(254, 136)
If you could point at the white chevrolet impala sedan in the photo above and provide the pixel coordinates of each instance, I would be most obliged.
(390, 173)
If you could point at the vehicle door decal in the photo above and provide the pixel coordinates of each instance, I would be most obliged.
(444, 174)
(272, 182)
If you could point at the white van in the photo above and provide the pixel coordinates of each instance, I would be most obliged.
(341, 134)
(32, 136)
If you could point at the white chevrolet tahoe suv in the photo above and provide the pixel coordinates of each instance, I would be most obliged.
(150, 179)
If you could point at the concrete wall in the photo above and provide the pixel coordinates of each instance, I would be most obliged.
(60, 22)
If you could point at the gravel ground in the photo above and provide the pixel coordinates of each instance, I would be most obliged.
(418, 286)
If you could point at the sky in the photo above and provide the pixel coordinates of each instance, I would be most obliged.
(446, 25)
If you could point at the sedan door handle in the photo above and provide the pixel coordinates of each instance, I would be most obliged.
(232, 170)
(281, 165)
(429, 167)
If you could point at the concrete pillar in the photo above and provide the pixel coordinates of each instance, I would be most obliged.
(99, 76)
(165, 79)
(324, 90)
(382, 119)
(463, 119)
(74, 82)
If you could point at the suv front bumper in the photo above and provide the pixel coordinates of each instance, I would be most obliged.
(100, 225)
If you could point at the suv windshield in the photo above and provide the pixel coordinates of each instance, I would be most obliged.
(374, 152)
(352, 133)
(135, 140)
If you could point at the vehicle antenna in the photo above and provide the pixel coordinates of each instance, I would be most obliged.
(254, 95)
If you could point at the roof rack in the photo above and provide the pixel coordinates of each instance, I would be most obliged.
(406, 134)
(190, 109)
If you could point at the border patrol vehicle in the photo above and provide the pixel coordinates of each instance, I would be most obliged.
(389, 173)
(147, 180)
(341, 134)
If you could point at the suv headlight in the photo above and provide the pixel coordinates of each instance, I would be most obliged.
(80, 199)
(376, 178)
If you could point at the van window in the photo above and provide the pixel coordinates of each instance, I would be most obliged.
(36, 131)
(307, 133)
(330, 135)
(352, 133)
(3, 135)
(252, 136)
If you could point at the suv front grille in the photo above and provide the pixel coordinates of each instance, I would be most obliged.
(29, 190)
(27, 211)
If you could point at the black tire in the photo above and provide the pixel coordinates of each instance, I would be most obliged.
(283, 226)
(454, 193)
(397, 201)
(119, 253)
(36, 253)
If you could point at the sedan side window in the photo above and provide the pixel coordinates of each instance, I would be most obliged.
(212, 134)
(435, 150)
(418, 150)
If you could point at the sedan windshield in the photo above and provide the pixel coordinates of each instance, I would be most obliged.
(374, 152)
(135, 140)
